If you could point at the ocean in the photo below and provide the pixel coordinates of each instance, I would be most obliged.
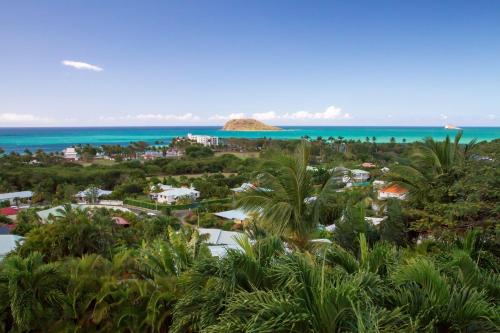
(56, 139)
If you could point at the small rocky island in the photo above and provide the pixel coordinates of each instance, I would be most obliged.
(248, 125)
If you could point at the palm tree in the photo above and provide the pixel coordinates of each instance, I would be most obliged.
(431, 161)
(287, 202)
(35, 290)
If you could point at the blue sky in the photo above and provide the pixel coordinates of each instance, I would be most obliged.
(285, 62)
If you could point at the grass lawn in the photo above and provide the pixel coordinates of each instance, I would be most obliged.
(241, 155)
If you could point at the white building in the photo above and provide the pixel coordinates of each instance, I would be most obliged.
(243, 188)
(92, 195)
(393, 191)
(172, 194)
(205, 140)
(220, 240)
(378, 184)
(236, 215)
(358, 175)
(15, 197)
(70, 154)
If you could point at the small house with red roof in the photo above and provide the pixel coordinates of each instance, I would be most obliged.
(9, 212)
(393, 191)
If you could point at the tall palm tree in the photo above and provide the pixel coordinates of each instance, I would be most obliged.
(35, 290)
(288, 202)
(431, 160)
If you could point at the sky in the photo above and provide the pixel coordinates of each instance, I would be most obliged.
(161, 63)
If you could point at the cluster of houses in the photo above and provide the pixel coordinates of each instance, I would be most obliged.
(71, 154)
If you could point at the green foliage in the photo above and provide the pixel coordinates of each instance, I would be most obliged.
(394, 229)
(197, 151)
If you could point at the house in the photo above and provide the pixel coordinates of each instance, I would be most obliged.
(205, 140)
(375, 220)
(15, 197)
(70, 154)
(368, 165)
(173, 153)
(152, 155)
(248, 186)
(91, 195)
(393, 191)
(244, 187)
(120, 221)
(377, 184)
(236, 215)
(220, 241)
(47, 214)
(9, 212)
(8, 243)
(312, 168)
(173, 194)
(358, 175)
(385, 169)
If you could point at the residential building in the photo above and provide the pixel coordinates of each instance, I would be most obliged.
(71, 154)
(385, 169)
(358, 175)
(393, 191)
(171, 194)
(377, 184)
(205, 140)
(47, 215)
(9, 212)
(220, 241)
(151, 155)
(14, 198)
(375, 220)
(368, 165)
(92, 195)
(236, 215)
(247, 187)
(244, 187)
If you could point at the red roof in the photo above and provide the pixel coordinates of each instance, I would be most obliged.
(395, 188)
(120, 220)
(8, 211)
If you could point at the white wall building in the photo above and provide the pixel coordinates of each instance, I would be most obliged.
(16, 197)
(92, 195)
(172, 194)
(205, 140)
(360, 175)
(70, 154)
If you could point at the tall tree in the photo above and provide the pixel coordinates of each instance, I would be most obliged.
(287, 201)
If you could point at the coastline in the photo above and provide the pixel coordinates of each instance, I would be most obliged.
(57, 138)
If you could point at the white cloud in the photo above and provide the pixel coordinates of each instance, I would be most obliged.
(491, 116)
(152, 117)
(443, 116)
(265, 115)
(331, 112)
(239, 115)
(13, 118)
(81, 65)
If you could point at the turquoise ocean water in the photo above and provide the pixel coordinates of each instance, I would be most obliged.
(56, 139)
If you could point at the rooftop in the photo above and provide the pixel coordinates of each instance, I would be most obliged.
(235, 214)
(394, 188)
(13, 195)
